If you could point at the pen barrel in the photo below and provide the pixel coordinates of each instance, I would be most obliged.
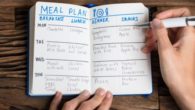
(179, 22)
(191, 20)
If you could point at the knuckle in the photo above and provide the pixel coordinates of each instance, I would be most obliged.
(86, 105)
(80, 98)
(98, 98)
(69, 105)
(105, 104)
(186, 10)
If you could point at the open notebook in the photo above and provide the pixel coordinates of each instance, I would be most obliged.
(72, 48)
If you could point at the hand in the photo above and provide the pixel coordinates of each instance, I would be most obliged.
(102, 100)
(177, 57)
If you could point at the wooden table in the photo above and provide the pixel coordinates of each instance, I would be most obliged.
(13, 41)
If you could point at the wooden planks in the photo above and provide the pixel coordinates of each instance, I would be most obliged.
(7, 14)
(13, 41)
(192, 9)
(14, 96)
(12, 45)
(167, 103)
(7, 18)
(27, 3)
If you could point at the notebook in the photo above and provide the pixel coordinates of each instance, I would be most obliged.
(73, 48)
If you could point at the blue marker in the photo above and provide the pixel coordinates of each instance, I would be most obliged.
(90, 5)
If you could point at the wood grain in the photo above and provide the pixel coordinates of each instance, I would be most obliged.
(4, 25)
(192, 9)
(9, 32)
(27, 3)
(16, 97)
(13, 59)
(167, 103)
(12, 64)
(7, 13)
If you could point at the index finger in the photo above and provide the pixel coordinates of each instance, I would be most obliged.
(179, 12)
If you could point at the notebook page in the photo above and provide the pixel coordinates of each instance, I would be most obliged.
(118, 63)
(61, 49)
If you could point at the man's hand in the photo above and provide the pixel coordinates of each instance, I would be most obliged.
(176, 48)
(102, 100)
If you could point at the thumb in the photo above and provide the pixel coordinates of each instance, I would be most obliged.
(160, 32)
(56, 101)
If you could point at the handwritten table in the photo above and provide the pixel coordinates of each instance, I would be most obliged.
(13, 41)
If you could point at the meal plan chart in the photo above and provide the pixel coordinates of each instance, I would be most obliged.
(77, 48)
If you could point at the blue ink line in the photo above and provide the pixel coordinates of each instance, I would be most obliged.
(116, 26)
(92, 18)
(63, 16)
(127, 14)
(119, 15)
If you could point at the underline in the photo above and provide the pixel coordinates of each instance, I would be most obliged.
(68, 43)
(84, 61)
(117, 43)
(95, 76)
(136, 25)
(63, 16)
(94, 17)
(118, 15)
(120, 60)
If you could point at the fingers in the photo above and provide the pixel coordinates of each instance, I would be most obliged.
(95, 101)
(183, 36)
(173, 13)
(161, 34)
(74, 103)
(105, 105)
(56, 101)
(187, 39)
(101, 99)
(148, 33)
(150, 42)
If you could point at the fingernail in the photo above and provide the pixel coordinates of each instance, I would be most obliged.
(101, 92)
(156, 23)
(58, 93)
(85, 93)
(108, 95)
